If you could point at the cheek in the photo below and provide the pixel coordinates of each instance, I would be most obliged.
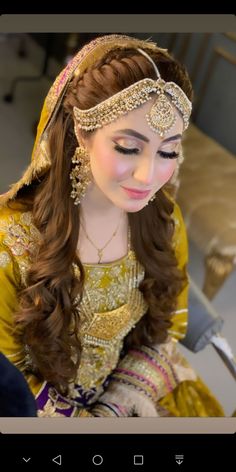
(109, 165)
(166, 169)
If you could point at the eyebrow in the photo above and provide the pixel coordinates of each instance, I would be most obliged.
(132, 132)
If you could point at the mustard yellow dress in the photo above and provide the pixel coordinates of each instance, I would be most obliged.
(180, 391)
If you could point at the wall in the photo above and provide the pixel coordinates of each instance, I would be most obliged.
(211, 62)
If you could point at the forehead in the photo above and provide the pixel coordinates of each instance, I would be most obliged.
(136, 119)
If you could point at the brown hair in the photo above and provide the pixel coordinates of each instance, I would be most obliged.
(47, 309)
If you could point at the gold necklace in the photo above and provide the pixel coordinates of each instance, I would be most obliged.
(100, 250)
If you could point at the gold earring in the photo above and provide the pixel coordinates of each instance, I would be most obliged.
(81, 174)
(151, 199)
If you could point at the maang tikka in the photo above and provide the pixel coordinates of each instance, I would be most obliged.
(80, 175)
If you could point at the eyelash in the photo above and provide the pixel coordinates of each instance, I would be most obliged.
(168, 155)
(163, 154)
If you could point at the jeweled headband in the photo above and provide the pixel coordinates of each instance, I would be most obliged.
(161, 118)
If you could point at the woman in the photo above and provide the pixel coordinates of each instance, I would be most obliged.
(93, 246)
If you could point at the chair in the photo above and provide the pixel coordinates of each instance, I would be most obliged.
(204, 327)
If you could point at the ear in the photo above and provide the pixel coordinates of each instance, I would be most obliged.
(78, 134)
(81, 139)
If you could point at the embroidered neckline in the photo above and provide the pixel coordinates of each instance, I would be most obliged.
(106, 264)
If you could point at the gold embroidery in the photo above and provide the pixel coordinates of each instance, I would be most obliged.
(116, 323)
(53, 404)
(108, 325)
(21, 237)
(102, 346)
(109, 308)
(83, 413)
(107, 286)
(106, 313)
(19, 240)
(4, 259)
(49, 409)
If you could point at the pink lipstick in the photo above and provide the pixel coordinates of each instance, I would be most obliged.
(136, 194)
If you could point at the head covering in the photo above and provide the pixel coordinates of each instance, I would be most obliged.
(91, 52)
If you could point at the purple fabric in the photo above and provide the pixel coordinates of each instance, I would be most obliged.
(84, 399)
(44, 396)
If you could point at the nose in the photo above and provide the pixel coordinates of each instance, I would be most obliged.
(144, 171)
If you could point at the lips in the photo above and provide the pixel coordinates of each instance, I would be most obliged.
(136, 194)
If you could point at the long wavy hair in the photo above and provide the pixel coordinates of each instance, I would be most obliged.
(47, 307)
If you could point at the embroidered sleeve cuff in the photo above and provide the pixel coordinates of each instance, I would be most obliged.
(148, 371)
(153, 371)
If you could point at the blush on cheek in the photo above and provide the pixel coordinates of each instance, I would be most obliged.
(104, 164)
(112, 166)
(165, 171)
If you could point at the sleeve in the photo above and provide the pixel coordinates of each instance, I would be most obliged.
(48, 401)
(13, 351)
(180, 244)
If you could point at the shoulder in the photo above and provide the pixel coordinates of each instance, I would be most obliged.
(18, 236)
(178, 217)
(177, 213)
(14, 224)
(14, 211)
(180, 240)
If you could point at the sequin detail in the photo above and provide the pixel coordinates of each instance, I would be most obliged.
(4, 259)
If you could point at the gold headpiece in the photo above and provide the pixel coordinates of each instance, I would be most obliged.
(161, 118)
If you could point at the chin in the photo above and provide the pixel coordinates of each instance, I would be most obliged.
(130, 206)
(134, 207)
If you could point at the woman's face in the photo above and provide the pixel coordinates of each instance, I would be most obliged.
(127, 156)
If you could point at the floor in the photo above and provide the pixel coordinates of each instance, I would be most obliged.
(17, 126)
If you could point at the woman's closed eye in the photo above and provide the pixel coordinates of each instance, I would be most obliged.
(127, 151)
(124, 150)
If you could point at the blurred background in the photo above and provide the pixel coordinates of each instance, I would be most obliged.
(29, 65)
